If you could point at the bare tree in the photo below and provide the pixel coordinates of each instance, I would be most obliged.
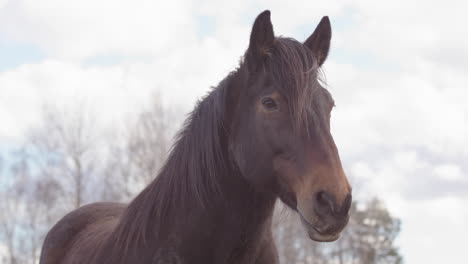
(138, 152)
(64, 146)
(12, 208)
(47, 177)
(52, 166)
(60, 163)
(293, 244)
(148, 141)
(26, 205)
(117, 173)
(372, 234)
(40, 214)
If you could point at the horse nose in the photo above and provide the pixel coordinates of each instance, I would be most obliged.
(327, 204)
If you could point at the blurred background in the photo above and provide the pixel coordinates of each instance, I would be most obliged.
(92, 92)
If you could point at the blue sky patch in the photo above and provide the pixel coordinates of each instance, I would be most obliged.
(206, 26)
(13, 54)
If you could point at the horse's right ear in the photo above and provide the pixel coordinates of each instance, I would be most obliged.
(261, 40)
(319, 41)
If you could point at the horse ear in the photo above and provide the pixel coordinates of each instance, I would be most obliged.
(319, 41)
(261, 38)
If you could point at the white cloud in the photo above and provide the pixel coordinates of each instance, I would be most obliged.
(399, 109)
(451, 172)
(113, 90)
(69, 29)
(402, 31)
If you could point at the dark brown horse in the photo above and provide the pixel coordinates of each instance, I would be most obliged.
(263, 133)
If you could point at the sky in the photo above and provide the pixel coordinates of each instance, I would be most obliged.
(396, 69)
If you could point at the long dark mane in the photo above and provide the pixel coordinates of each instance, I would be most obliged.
(192, 174)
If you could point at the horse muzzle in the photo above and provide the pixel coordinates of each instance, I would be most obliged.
(325, 220)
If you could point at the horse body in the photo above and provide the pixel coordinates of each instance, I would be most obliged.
(263, 133)
(89, 235)
(73, 242)
(96, 220)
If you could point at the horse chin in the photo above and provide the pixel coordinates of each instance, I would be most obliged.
(315, 234)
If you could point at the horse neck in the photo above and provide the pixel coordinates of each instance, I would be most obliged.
(197, 189)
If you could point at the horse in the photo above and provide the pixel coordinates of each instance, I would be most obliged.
(261, 135)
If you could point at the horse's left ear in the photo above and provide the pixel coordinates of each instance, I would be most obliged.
(319, 41)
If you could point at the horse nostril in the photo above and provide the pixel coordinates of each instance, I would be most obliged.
(325, 202)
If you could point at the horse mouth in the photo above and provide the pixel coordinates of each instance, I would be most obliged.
(316, 234)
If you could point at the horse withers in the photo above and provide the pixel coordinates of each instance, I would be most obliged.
(262, 134)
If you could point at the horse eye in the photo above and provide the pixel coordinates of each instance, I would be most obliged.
(269, 103)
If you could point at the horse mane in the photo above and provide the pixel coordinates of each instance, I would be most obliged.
(295, 70)
(298, 74)
(192, 174)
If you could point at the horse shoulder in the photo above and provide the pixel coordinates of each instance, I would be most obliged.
(61, 237)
